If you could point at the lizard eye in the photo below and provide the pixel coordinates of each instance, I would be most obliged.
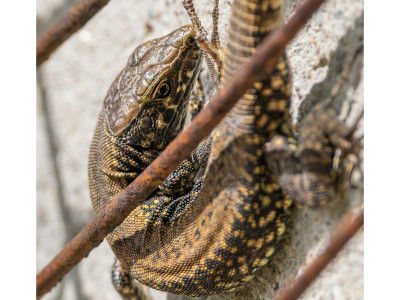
(164, 90)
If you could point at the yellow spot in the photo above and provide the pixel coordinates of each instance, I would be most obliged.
(269, 188)
(250, 97)
(262, 222)
(244, 269)
(276, 82)
(250, 243)
(281, 229)
(272, 126)
(263, 262)
(189, 74)
(255, 262)
(244, 191)
(262, 121)
(271, 216)
(248, 120)
(266, 92)
(270, 252)
(281, 66)
(161, 123)
(270, 237)
(240, 217)
(248, 278)
(278, 204)
(258, 85)
(231, 272)
(265, 200)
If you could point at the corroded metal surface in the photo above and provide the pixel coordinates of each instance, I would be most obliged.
(77, 16)
(350, 223)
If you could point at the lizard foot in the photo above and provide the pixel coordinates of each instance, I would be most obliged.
(312, 169)
(126, 286)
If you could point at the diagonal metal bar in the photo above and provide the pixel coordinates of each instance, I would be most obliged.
(348, 225)
(105, 222)
(76, 17)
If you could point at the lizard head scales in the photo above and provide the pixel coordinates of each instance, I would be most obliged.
(147, 103)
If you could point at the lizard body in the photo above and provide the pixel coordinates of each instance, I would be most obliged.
(213, 238)
(144, 109)
(210, 237)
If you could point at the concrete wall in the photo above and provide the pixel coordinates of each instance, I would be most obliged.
(71, 86)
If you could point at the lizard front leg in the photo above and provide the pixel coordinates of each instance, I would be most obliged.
(180, 181)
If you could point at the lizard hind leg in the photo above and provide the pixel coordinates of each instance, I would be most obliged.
(125, 285)
(319, 165)
(305, 168)
(349, 163)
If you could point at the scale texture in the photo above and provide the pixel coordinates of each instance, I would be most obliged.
(208, 236)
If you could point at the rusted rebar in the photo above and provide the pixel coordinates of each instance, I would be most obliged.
(103, 223)
(76, 17)
(348, 225)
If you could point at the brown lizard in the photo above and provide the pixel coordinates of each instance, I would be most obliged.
(143, 111)
(210, 237)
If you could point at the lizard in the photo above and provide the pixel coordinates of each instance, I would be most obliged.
(212, 236)
(144, 109)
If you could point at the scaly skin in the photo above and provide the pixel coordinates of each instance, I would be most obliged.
(211, 237)
(143, 111)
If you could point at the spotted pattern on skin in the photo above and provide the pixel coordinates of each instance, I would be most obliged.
(209, 235)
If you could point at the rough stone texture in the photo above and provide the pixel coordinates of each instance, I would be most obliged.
(73, 83)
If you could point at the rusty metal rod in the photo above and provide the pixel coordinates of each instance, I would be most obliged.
(76, 17)
(348, 225)
(105, 222)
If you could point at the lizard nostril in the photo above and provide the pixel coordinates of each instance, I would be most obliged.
(190, 40)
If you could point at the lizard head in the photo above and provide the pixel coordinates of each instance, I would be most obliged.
(146, 105)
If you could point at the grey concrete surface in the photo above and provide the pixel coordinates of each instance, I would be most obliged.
(71, 88)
